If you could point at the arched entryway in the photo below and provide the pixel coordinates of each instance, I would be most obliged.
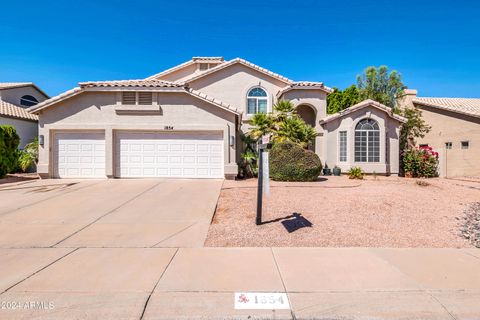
(308, 114)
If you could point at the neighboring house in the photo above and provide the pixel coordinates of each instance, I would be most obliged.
(187, 122)
(15, 98)
(455, 132)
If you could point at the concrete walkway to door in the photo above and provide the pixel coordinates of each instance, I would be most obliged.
(107, 213)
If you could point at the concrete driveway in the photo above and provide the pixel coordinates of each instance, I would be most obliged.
(107, 213)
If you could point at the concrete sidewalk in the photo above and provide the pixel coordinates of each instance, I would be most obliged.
(199, 283)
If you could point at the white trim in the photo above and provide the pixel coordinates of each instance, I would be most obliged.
(267, 98)
(339, 146)
(380, 140)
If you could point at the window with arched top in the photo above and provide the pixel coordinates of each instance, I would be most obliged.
(257, 101)
(367, 141)
(28, 100)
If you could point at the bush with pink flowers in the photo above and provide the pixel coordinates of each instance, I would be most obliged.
(420, 162)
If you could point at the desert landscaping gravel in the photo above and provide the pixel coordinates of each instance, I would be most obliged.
(380, 212)
(470, 225)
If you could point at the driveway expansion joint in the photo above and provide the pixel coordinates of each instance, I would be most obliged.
(48, 198)
(39, 270)
(442, 305)
(173, 235)
(156, 284)
(283, 282)
(106, 214)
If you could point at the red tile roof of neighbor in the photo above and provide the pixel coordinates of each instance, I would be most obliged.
(468, 106)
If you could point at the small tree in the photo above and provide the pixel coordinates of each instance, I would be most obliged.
(29, 155)
(9, 141)
(414, 128)
(381, 85)
(339, 100)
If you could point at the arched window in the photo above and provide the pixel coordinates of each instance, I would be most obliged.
(28, 101)
(367, 141)
(257, 101)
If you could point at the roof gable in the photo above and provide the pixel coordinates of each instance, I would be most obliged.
(186, 64)
(117, 85)
(361, 105)
(243, 62)
(13, 85)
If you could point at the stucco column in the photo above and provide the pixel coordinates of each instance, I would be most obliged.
(109, 157)
(231, 168)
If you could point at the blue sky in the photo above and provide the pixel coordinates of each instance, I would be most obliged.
(435, 45)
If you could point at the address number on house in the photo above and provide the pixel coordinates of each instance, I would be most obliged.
(261, 300)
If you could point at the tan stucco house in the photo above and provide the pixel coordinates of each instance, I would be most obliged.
(454, 134)
(187, 122)
(15, 99)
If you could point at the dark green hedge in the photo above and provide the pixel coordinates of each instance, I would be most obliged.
(290, 162)
(9, 141)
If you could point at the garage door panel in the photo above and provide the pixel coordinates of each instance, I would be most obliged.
(169, 155)
(79, 155)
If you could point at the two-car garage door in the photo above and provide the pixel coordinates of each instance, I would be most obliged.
(179, 155)
(139, 154)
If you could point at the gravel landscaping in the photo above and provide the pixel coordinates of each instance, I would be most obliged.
(375, 212)
(470, 226)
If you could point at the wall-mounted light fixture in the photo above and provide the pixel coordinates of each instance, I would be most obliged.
(231, 141)
(41, 140)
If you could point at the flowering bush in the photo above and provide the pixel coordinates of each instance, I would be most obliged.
(420, 162)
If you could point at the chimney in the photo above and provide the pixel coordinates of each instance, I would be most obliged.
(406, 100)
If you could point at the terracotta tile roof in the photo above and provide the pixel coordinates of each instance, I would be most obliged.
(60, 97)
(468, 106)
(212, 100)
(185, 64)
(10, 85)
(241, 61)
(12, 111)
(363, 104)
(305, 85)
(150, 83)
(214, 59)
(133, 83)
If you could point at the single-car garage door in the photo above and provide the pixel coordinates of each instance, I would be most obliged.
(79, 155)
(175, 155)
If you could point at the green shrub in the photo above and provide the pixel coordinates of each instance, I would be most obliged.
(420, 162)
(28, 156)
(290, 162)
(9, 141)
(355, 173)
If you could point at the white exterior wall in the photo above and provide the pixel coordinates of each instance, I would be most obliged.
(97, 111)
(27, 130)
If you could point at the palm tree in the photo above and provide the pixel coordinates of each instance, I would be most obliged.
(283, 124)
(262, 124)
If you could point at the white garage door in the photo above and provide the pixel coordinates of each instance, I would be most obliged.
(79, 155)
(176, 155)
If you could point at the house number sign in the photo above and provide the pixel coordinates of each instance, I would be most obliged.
(168, 127)
(261, 300)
